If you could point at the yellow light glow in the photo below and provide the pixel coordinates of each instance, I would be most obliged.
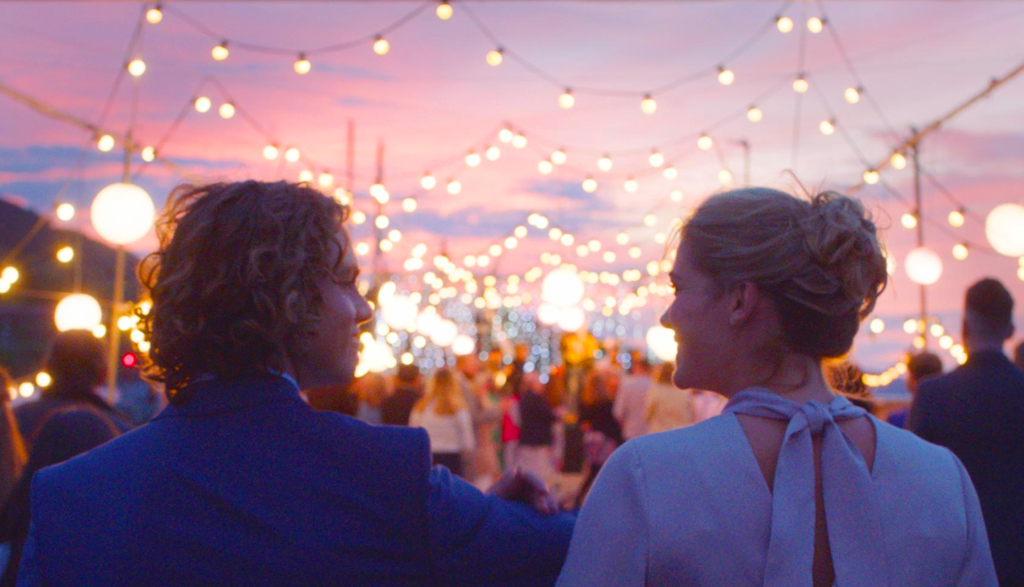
(754, 114)
(648, 105)
(815, 24)
(656, 159)
(226, 110)
(154, 15)
(622, 238)
(784, 24)
(428, 182)
(960, 251)
(381, 46)
(852, 95)
(590, 185)
(566, 100)
(545, 167)
(202, 104)
(65, 212)
(220, 52)
(800, 85)
(473, 159)
(519, 141)
(956, 218)
(704, 142)
(325, 180)
(302, 65)
(444, 12)
(270, 152)
(670, 172)
(409, 205)
(908, 220)
(495, 57)
(559, 157)
(871, 177)
(99, 331)
(43, 379)
(827, 127)
(492, 153)
(454, 187)
(362, 249)
(505, 135)
(604, 163)
(631, 185)
(292, 155)
(676, 196)
(877, 325)
(65, 254)
(105, 143)
(724, 176)
(136, 67)
(650, 219)
(898, 161)
(394, 235)
(726, 76)
(148, 154)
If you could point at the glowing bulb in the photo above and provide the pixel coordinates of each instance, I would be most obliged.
(898, 161)
(395, 235)
(65, 254)
(724, 176)
(106, 143)
(505, 135)
(910, 326)
(670, 172)
(226, 110)
(136, 67)
(454, 187)
(1003, 229)
(635, 252)
(559, 157)
(148, 154)
(650, 219)
(519, 141)
(648, 105)
(302, 65)
(631, 185)
(622, 238)
(923, 266)
(10, 274)
(956, 218)
(852, 95)
(704, 142)
(203, 104)
(305, 176)
(154, 15)
(656, 159)
(815, 24)
(871, 177)
(358, 217)
(909, 220)
(784, 24)
(827, 127)
(877, 325)
(325, 180)
(959, 251)
(444, 10)
(65, 212)
(409, 205)
(566, 100)
(676, 196)
(754, 114)
(604, 163)
(545, 167)
(800, 84)
(495, 57)
(381, 222)
(270, 152)
(220, 52)
(379, 192)
(492, 153)
(291, 154)
(725, 76)
(590, 185)
(381, 46)
(473, 159)
(428, 181)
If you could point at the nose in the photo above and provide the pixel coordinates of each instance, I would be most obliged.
(363, 311)
(664, 320)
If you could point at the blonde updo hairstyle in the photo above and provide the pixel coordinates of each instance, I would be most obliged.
(818, 260)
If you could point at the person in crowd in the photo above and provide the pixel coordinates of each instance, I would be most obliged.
(920, 366)
(239, 481)
(1018, 355)
(667, 407)
(977, 411)
(77, 364)
(597, 448)
(397, 406)
(768, 286)
(848, 379)
(632, 398)
(371, 389)
(595, 407)
(12, 447)
(511, 421)
(68, 432)
(536, 439)
(478, 387)
(443, 413)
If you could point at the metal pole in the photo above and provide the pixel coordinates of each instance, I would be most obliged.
(919, 214)
(378, 258)
(113, 332)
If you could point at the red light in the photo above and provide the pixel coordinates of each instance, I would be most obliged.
(129, 360)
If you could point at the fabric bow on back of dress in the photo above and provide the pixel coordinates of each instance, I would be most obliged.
(854, 526)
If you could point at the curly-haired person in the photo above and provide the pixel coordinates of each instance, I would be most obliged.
(240, 482)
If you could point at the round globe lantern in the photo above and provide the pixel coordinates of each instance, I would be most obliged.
(444, 333)
(122, 213)
(923, 265)
(463, 345)
(562, 288)
(1004, 229)
(662, 343)
(399, 312)
(571, 319)
(77, 312)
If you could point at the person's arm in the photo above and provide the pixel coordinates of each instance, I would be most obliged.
(484, 540)
(977, 568)
(610, 544)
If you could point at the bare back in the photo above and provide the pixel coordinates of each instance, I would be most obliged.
(766, 436)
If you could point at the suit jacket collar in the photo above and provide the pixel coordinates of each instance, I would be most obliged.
(218, 396)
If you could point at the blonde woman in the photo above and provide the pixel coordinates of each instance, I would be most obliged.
(768, 287)
(667, 407)
(443, 413)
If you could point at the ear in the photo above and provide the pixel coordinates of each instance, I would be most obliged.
(743, 302)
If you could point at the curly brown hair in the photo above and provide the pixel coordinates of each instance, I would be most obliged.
(237, 278)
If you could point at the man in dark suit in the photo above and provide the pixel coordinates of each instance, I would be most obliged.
(239, 481)
(977, 411)
(396, 407)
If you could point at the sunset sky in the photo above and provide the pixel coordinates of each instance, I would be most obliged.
(433, 98)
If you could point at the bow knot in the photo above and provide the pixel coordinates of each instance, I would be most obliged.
(816, 415)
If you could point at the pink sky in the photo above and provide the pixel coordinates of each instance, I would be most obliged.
(433, 97)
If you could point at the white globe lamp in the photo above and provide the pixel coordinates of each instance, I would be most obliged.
(1004, 229)
(78, 312)
(122, 213)
(923, 265)
(571, 319)
(444, 333)
(427, 321)
(463, 345)
(662, 342)
(548, 314)
(376, 357)
(562, 288)
(399, 312)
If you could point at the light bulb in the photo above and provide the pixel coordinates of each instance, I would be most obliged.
(800, 84)
(325, 180)
(656, 159)
(704, 142)
(631, 185)
(877, 325)
(604, 163)
(154, 15)
(590, 185)
(670, 172)
(827, 127)
(784, 24)
(444, 10)
(220, 52)
(65, 212)
(270, 152)
(650, 220)
(725, 76)
(409, 205)
(815, 24)
(379, 192)
(226, 110)
(302, 65)
(754, 114)
(65, 254)
(473, 159)
(305, 176)
(148, 154)
(454, 187)
(559, 157)
(381, 222)
(871, 177)
(676, 196)
(505, 135)
(136, 67)
(106, 143)
(909, 220)
(566, 100)
(648, 105)
(495, 57)
(898, 161)
(960, 251)
(292, 154)
(724, 176)
(358, 217)
(381, 46)
(428, 181)
(545, 167)
(492, 153)
(519, 141)
(956, 218)
(852, 95)
(203, 104)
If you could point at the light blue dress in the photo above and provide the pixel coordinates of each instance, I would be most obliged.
(690, 507)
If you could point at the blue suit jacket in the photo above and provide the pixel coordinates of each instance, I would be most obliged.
(977, 411)
(245, 484)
